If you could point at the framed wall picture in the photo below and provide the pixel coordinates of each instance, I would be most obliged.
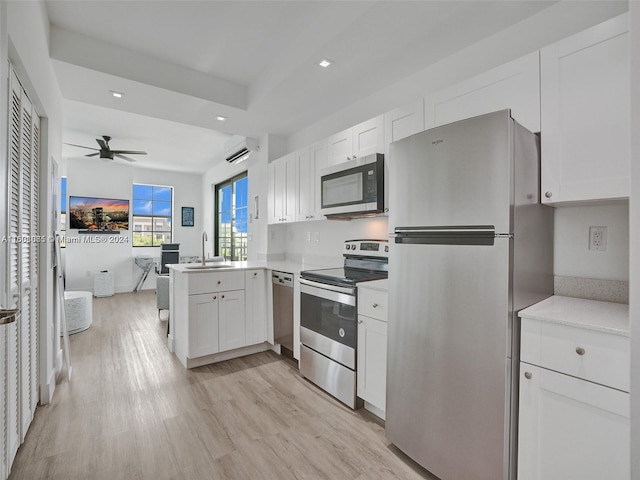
(187, 216)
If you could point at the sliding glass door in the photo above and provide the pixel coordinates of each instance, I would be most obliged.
(232, 218)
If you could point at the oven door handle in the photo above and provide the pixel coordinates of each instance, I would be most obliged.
(330, 292)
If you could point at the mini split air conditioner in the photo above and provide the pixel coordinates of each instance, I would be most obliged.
(239, 148)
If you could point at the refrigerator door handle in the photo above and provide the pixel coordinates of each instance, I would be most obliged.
(455, 235)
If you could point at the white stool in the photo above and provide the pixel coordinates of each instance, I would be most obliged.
(78, 307)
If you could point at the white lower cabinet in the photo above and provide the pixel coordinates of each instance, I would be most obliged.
(232, 320)
(216, 322)
(203, 325)
(372, 361)
(256, 306)
(574, 391)
(571, 428)
(372, 349)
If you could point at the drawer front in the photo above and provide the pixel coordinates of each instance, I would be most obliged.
(595, 356)
(215, 282)
(372, 303)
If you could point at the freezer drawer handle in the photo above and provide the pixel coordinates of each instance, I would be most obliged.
(528, 375)
(580, 351)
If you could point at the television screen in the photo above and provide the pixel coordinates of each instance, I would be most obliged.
(100, 214)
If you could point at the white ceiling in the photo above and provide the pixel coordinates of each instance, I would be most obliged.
(181, 63)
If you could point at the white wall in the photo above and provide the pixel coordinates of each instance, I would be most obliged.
(635, 239)
(321, 242)
(96, 178)
(28, 50)
(572, 257)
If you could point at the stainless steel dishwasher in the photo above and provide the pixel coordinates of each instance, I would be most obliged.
(283, 311)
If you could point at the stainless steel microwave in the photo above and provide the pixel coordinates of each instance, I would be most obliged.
(354, 188)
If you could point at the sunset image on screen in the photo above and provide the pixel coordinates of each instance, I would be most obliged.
(91, 213)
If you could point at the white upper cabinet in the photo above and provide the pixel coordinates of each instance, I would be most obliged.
(585, 115)
(514, 85)
(340, 146)
(403, 122)
(282, 189)
(310, 161)
(368, 137)
(398, 124)
(363, 139)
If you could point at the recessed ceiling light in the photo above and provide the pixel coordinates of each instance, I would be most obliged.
(117, 94)
(325, 62)
(220, 118)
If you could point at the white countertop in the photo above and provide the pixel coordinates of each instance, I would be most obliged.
(380, 285)
(280, 265)
(604, 317)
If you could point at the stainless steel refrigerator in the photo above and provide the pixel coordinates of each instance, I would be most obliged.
(471, 246)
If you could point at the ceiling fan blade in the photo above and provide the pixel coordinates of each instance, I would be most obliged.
(93, 154)
(130, 152)
(80, 146)
(124, 158)
(102, 144)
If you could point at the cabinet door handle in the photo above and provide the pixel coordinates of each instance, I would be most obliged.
(528, 375)
(215, 297)
(255, 274)
(580, 351)
(222, 296)
(359, 321)
(219, 282)
(548, 194)
(375, 305)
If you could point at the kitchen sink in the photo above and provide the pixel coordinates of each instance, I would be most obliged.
(205, 267)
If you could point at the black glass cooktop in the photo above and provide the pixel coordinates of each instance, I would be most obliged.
(342, 276)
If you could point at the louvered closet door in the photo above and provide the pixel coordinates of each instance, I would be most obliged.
(26, 248)
(12, 349)
(35, 266)
(21, 338)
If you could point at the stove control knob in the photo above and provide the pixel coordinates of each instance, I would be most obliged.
(353, 246)
(348, 246)
(386, 248)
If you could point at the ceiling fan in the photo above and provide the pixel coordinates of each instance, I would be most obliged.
(105, 151)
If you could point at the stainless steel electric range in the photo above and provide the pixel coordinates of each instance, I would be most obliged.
(328, 317)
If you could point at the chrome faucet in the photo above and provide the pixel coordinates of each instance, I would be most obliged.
(204, 239)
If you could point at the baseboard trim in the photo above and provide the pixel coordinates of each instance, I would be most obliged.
(58, 366)
(220, 357)
(47, 390)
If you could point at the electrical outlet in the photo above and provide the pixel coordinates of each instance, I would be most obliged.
(598, 238)
(308, 236)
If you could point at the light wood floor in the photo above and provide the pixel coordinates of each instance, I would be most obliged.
(133, 412)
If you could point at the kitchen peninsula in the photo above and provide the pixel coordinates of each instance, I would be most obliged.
(223, 310)
(218, 312)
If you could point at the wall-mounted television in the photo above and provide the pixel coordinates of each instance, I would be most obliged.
(98, 214)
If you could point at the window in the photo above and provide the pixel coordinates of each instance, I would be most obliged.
(152, 209)
(231, 218)
(63, 211)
